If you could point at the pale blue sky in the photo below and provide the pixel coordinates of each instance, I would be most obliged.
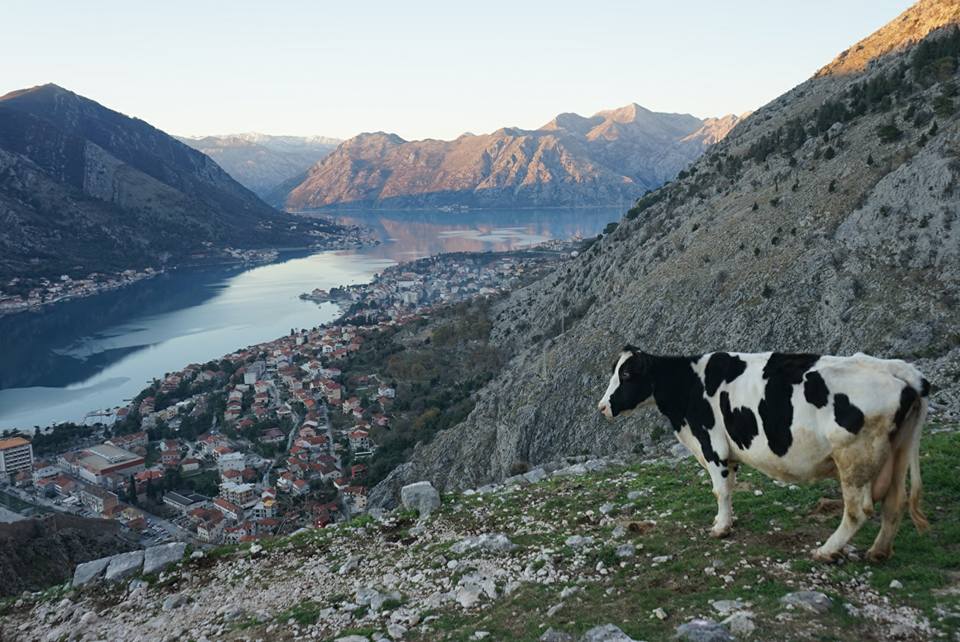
(420, 68)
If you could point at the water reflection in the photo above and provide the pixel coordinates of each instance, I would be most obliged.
(62, 362)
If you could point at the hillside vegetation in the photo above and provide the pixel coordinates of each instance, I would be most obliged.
(595, 544)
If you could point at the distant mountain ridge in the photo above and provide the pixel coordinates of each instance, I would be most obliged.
(611, 157)
(262, 162)
(84, 188)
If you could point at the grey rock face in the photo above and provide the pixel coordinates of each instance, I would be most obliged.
(421, 496)
(491, 542)
(124, 565)
(554, 635)
(89, 571)
(606, 633)
(156, 558)
(703, 631)
(813, 601)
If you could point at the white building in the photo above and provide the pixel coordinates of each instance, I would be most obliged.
(16, 454)
(231, 461)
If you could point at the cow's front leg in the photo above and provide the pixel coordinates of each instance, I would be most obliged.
(723, 478)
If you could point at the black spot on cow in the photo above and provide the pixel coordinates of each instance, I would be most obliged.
(815, 389)
(782, 372)
(846, 414)
(741, 424)
(722, 367)
(908, 398)
(678, 391)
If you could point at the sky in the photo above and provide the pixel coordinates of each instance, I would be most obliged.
(421, 69)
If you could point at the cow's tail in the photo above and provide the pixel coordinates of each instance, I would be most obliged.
(909, 453)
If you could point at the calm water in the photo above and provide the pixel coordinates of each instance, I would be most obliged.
(68, 360)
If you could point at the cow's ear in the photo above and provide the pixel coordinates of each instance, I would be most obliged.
(631, 348)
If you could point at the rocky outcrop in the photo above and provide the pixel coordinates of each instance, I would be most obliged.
(36, 553)
(610, 158)
(124, 565)
(825, 222)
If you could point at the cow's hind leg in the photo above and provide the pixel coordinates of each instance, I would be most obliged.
(894, 502)
(858, 466)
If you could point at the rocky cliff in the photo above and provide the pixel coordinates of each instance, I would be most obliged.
(84, 188)
(261, 162)
(825, 222)
(38, 553)
(609, 158)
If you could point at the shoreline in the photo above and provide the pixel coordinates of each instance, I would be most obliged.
(154, 272)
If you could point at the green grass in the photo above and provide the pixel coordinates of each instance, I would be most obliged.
(774, 533)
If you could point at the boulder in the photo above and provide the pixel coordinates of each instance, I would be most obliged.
(89, 571)
(420, 496)
(157, 558)
(490, 542)
(606, 633)
(813, 601)
(553, 635)
(124, 565)
(703, 631)
(740, 624)
(535, 475)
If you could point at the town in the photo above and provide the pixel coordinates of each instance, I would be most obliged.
(266, 440)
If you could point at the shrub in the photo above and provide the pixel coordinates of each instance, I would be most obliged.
(889, 132)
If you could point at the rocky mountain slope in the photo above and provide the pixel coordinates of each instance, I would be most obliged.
(261, 162)
(587, 550)
(825, 222)
(612, 157)
(38, 553)
(84, 188)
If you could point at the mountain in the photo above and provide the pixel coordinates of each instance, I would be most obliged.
(611, 157)
(84, 188)
(826, 222)
(261, 162)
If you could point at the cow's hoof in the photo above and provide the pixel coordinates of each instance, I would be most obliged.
(826, 557)
(720, 533)
(876, 556)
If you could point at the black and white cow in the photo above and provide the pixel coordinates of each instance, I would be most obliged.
(794, 417)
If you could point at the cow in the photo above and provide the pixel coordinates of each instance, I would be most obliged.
(796, 418)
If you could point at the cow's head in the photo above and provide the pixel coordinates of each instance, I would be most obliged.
(630, 386)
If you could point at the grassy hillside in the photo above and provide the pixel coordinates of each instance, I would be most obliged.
(368, 576)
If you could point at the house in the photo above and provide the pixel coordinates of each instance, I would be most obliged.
(357, 496)
(386, 391)
(359, 440)
(229, 509)
(98, 500)
(190, 465)
(133, 440)
(231, 461)
(243, 495)
(210, 529)
(300, 487)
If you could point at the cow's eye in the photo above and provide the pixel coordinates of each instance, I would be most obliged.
(624, 374)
